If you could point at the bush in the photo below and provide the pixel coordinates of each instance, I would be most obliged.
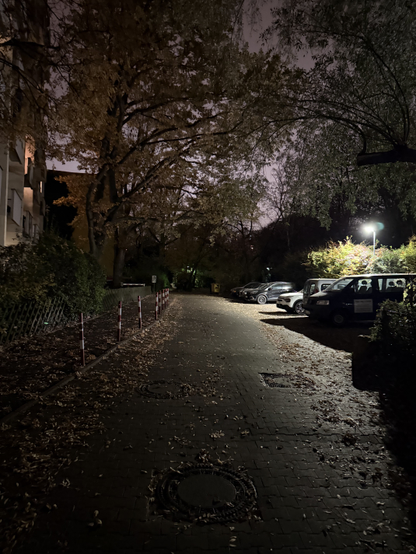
(409, 255)
(339, 259)
(395, 330)
(52, 267)
(389, 261)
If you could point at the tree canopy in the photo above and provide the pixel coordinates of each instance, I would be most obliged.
(351, 115)
(160, 101)
(362, 73)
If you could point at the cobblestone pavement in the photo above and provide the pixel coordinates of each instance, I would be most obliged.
(229, 388)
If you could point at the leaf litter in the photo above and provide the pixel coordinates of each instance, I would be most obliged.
(40, 443)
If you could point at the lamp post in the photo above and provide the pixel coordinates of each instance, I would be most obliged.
(371, 229)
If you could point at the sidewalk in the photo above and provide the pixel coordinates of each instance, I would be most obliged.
(190, 392)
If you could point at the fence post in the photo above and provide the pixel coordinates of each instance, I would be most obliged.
(139, 306)
(81, 337)
(120, 304)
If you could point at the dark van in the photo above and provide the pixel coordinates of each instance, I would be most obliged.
(357, 297)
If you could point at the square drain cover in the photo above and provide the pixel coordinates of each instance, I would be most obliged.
(275, 380)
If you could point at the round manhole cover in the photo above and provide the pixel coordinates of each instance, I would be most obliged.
(164, 389)
(206, 492)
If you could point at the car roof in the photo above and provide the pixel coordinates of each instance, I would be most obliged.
(321, 279)
(370, 275)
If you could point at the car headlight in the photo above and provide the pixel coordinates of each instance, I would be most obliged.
(322, 302)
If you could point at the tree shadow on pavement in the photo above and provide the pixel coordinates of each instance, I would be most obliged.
(338, 339)
(395, 382)
(397, 401)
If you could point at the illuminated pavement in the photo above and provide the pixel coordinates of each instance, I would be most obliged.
(205, 402)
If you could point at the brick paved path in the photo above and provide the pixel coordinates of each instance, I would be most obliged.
(309, 499)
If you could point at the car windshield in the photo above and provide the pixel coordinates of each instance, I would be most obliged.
(339, 284)
(264, 286)
(252, 285)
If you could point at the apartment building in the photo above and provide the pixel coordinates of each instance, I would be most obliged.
(23, 32)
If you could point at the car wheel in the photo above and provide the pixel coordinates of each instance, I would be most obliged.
(298, 307)
(261, 299)
(338, 319)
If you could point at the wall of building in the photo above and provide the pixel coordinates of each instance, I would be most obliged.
(22, 160)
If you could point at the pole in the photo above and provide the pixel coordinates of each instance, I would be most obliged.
(81, 337)
(157, 306)
(374, 243)
(119, 321)
(139, 306)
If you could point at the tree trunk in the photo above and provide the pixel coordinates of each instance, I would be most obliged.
(118, 266)
(119, 256)
(90, 222)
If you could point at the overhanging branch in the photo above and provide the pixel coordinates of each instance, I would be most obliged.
(403, 154)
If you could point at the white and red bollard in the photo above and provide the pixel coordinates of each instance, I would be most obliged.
(139, 307)
(157, 306)
(120, 308)
(81, 338)
(162, 300)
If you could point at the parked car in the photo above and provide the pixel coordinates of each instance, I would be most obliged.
(314, 285)
(357, 297)
(236, 291)
(292, 302)
(268, 292)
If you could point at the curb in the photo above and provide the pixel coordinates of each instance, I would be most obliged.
(25, 407)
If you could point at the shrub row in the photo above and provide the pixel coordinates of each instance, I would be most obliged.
(49, 268)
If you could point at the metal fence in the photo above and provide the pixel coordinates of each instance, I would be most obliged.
(127, 294)
(33, 318)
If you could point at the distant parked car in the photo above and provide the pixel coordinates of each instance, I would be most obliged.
(269, 292)
(292, 302)
(236, 291)
(314, 285)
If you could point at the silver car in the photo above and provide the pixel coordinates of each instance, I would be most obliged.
(292, 302)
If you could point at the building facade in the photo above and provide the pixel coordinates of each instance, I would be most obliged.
(24, 31)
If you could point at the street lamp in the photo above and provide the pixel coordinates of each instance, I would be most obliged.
(371, 229)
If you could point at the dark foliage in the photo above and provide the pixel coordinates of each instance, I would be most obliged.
(51, 267)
